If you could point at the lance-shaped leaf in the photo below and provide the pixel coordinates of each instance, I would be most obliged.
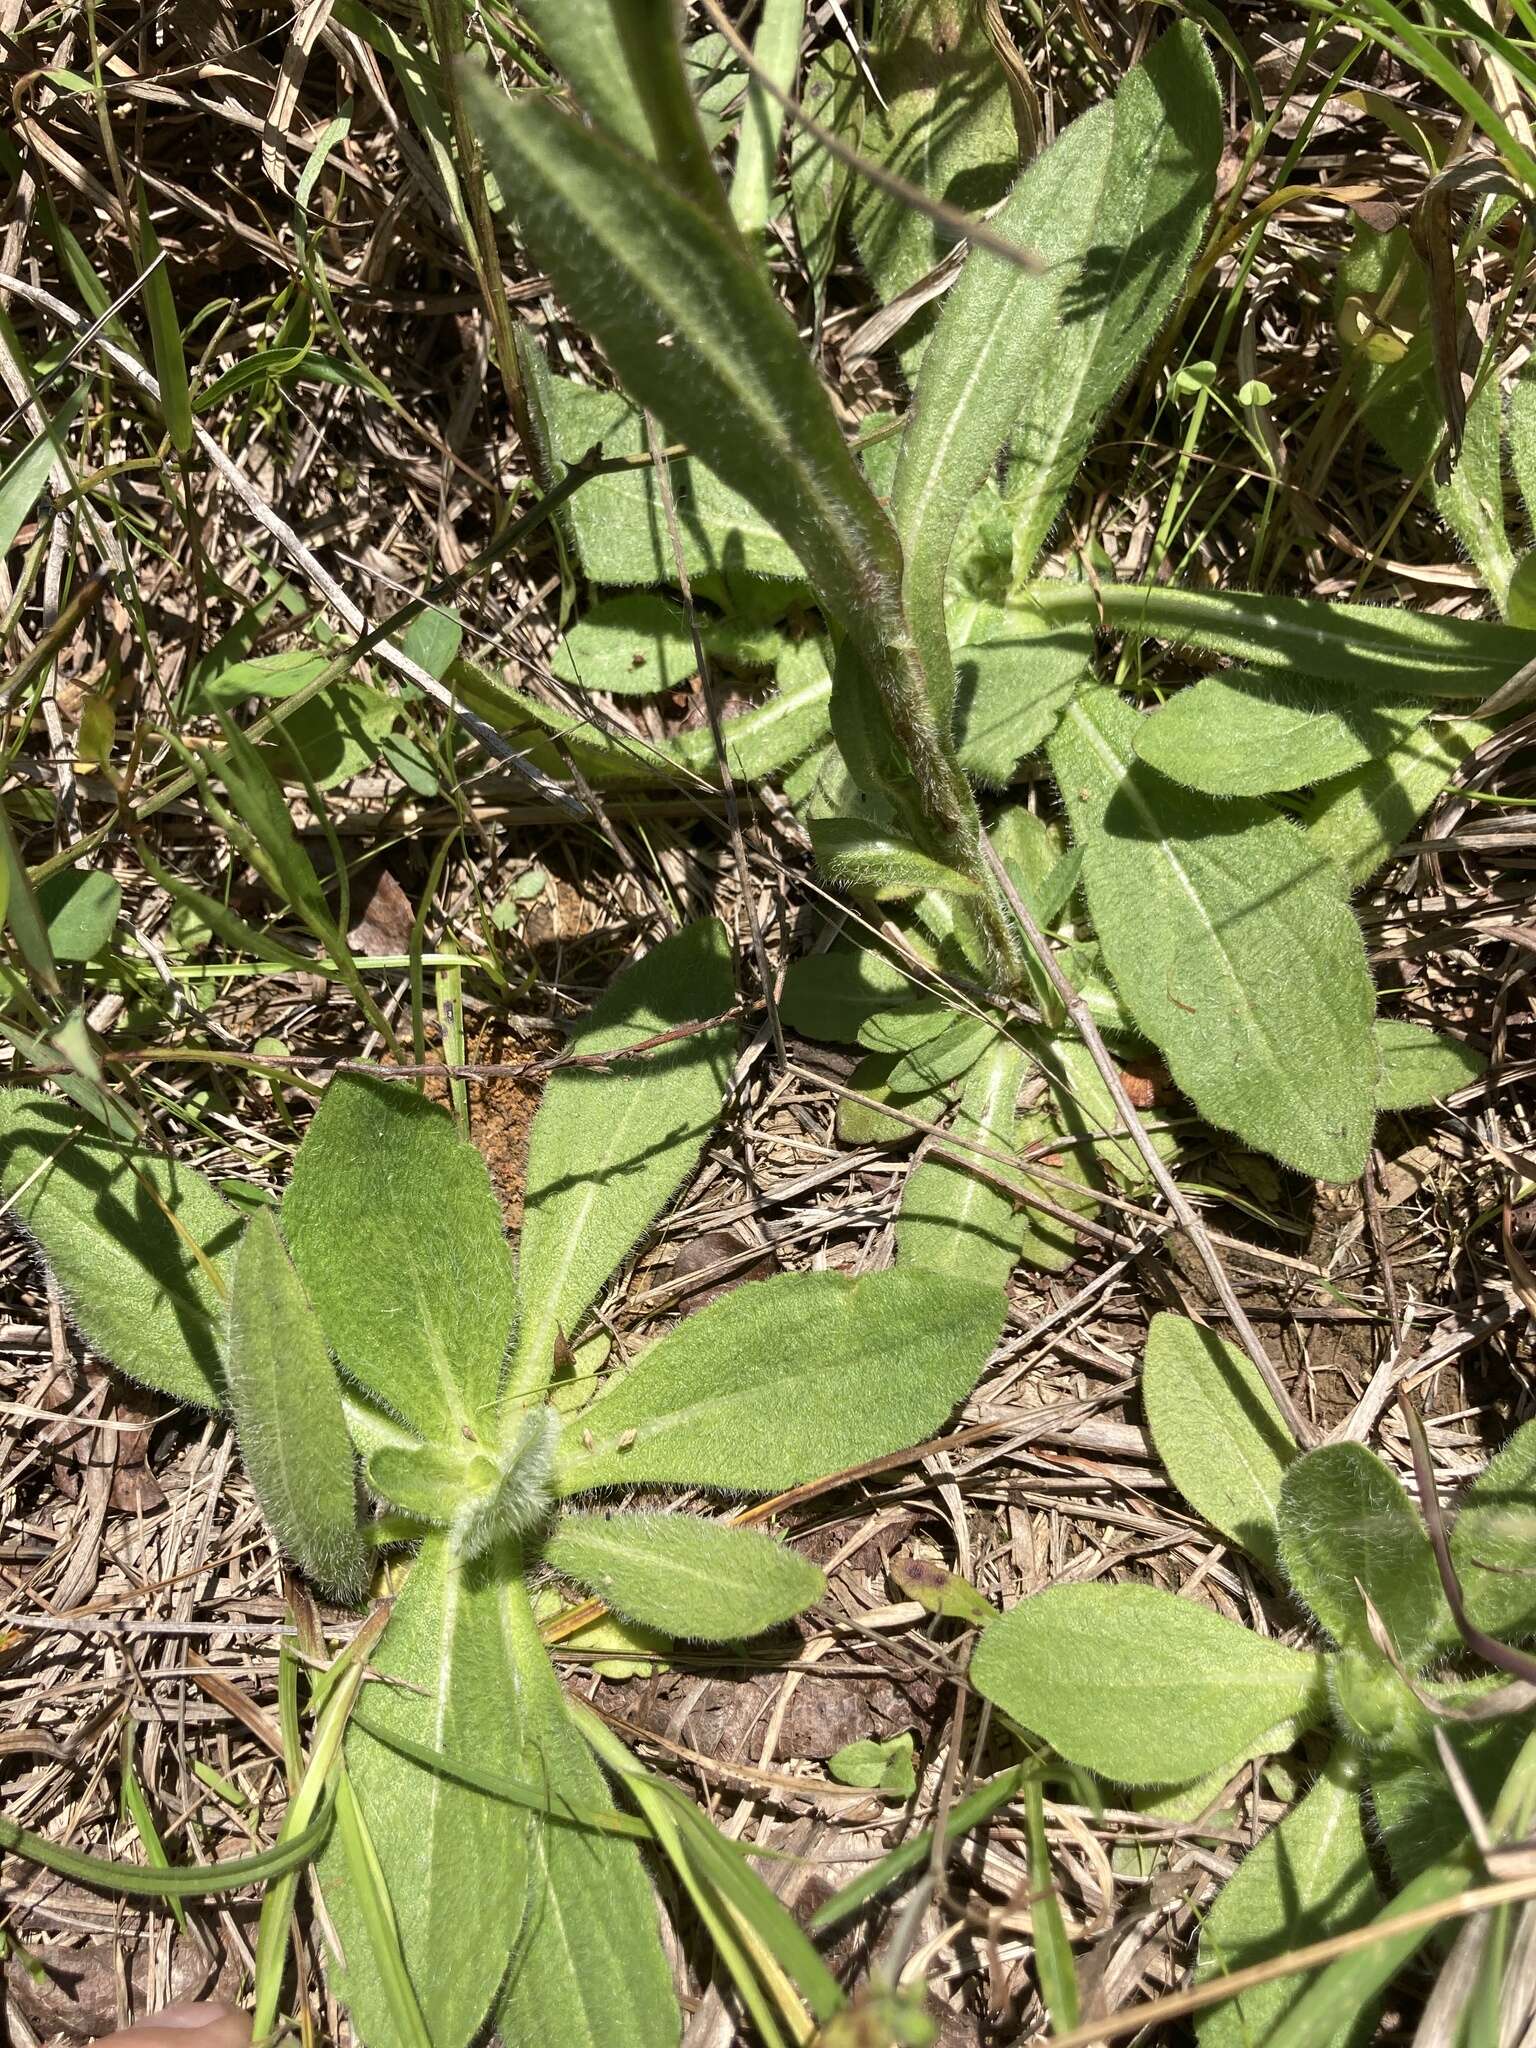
(1230, 945)
(952, 1218)
(396, 1232)
(685, 1576)
(634, 262)
(140, 1245)
(880, 862)
(1114, 209)
(776, 54)
(1348, 1534)
(786, 1380)
(1308, 1878)
(1217, 1431)
(1249, 734)
(1375, 645)
(454, 1863)
(1138, 1684)
(819, 182)
(23, 477)
(288, 1415)
(611, 1146)
(1493, 1540)
(588, 1969)
(582, 39)
(1420, 1066)
(1359, 820)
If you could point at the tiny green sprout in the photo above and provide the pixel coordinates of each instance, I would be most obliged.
(1165, 1695)
(381, 1319)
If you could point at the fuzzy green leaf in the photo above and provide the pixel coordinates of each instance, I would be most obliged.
(1348, 1530)
(1050, 1245)
(941, 1060)
(830, 995)
(952, 1219)
(1243, 734)
(1419, 1066)
(288, 1416)
(1359, 820)
(685, 1576)
(876, 861)
(396, 1232)
(865, 1123)
(633, 261)
(589, 1969)
(901, 1027)
(881, 1766)
(1013, 680)
(1114, 208)
(1139, 1685)
(1373, 645)
(1230, 945)
(776, 52)
(819, 182)
(1493, 1541)
(140, 1245)
(430, 1482)
(1308, 1878)
(1414, 1805)
(1217, 1431)
(630, 646)
(454, 1862)
(1522, 440)
(610, 1147)
(617, 521)
(581, 37)
(80, 907)
(786, 1380)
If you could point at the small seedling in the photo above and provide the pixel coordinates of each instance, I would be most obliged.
(394, 1376)
(1167, 1696)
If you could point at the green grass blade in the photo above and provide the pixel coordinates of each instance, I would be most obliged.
(776, 48)
(170, 358)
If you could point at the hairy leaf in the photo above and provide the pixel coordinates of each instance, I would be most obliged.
(878, 862)
(454, 1862)
(1374, 645)
(1230, 944)
(1243, 734)
(582, 39)
(1139, 1685)
(630, 646)
(589, 1969)
(788, 1379)
(1308, 1878)
(830, 995)
(1348, 1532)
(288, 1414)
(864, 1123)
(1217, 1431)
(1419, 1817)
(1114, 208)
(1360, 820)
(1013, 680)
(819, 182)
(1050, 1245)
(685, 1576)
(633, 261)
(941, 1060)
(952, 1219)
(396, 1232)
(611, 1146)
(140, 1245)
(1493, 1540)
(776, 51)
(1420, 1066)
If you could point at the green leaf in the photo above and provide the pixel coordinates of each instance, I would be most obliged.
(1308, 1878)
(882, 1766)
(1114, 208)
(952, 1219)
(610, 1147)
(1416, 1810)
(819, 182)
(630, 646)
(830, 995)
(942, 122)
(278, 675)
(1230, 945)
(139, 1244)
(1217, 1431)
(859, 1123)
(876, 861)
(776, 51)
(1013, 680)
(1522, 440)
(902, 1027)
(23, 477)
(1376, 646)
(454, 1862)
(617, 521)
(1246, 735)
(336, 735)
(288, 1415)
(430, 1482)
(943, 1059)
(1360, 820)
(589, 1970)
(1419, 1066)
(582, 39)
(278, 852)
(1348, 1530)
(167, 347)
(633, 261)
(1050, 1245)
(786, 1380)
(22, 916)
(1138, 1685)
(1493, 1540)
(396, 1232)
(685, 1576)
(79, 906)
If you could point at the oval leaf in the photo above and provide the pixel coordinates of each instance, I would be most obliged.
(1246, 735)
(1493, 1542)
(1349, 1532)
(1419, 1066)
(684, 1576)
